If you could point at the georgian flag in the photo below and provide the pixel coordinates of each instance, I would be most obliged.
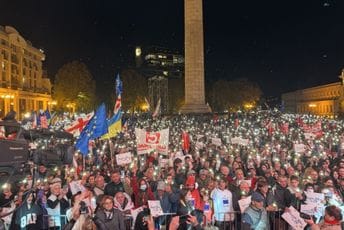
(77, 126)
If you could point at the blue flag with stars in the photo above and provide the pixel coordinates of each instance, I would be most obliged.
(95, 128)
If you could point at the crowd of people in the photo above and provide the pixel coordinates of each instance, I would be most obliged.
(245, 170)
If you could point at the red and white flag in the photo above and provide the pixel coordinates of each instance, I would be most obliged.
(118, 105)
(77, 126)
(185, 141)
(285, 128)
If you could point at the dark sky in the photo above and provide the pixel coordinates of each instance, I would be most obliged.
(281, 44)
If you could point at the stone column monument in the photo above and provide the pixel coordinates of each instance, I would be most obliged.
(194, 59)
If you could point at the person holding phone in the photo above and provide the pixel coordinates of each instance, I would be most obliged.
(178, 221)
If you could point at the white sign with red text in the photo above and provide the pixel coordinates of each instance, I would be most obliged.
(152, 141)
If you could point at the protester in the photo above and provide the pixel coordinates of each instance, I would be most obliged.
(223, 205)
(29, 215)
(107, 217)
(332, 220)
(116, 185)
(255, 216)
(57, 205)
(284, 157)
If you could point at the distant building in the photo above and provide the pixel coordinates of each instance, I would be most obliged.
(162, 67)
(23, 85)
(323, 100)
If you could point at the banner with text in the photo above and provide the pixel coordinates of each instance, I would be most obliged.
(152, 141)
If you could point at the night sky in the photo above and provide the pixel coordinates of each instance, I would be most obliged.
(283, 45)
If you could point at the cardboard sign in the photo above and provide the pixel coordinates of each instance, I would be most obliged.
(309, 209)
(240, 141)
(314, 198)
(123, 158)
(155, 208)
(299, 148)
(293, 218)
(244, 203)
(216, 141)
(76, 186)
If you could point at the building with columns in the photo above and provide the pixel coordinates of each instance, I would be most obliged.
(323, 100)
(23, 86)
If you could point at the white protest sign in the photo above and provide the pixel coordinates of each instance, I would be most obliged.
(293, 218)
(243, 142)
(235, 140)
(216, 141)
(299, 148)
(199, 145)
(123, 158)
(163, 162)
(179, 155)
(155, 208)
(244, 203)
(150, 141)
(240, 141)
(314, 198)
(76, 186)
(309, 209)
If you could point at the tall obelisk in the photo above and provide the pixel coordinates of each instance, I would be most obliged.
(194, 58)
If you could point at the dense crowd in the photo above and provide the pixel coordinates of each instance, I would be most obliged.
(245, 170)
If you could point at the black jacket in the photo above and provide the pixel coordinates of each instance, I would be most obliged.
(116, 221)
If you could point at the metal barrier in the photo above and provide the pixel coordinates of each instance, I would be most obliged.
(222, 220)
(233, 221)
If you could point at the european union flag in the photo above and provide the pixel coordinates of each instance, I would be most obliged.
(95, 128)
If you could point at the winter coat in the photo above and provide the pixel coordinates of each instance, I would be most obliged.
(116, 221)
(254, 218)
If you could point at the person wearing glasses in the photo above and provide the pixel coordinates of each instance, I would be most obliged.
(107, 217)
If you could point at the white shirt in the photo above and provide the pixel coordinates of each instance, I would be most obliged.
(223, 204)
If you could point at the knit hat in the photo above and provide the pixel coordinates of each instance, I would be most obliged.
(56, 180)
(257, 197)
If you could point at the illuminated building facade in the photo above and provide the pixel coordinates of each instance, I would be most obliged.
(22, 85)
(164, 70)
(324, 100)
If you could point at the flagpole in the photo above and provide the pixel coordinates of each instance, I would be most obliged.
(83, 163)
(112, 153)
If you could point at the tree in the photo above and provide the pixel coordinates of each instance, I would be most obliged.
(74, 85)
(134, 90)
(234, 94)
